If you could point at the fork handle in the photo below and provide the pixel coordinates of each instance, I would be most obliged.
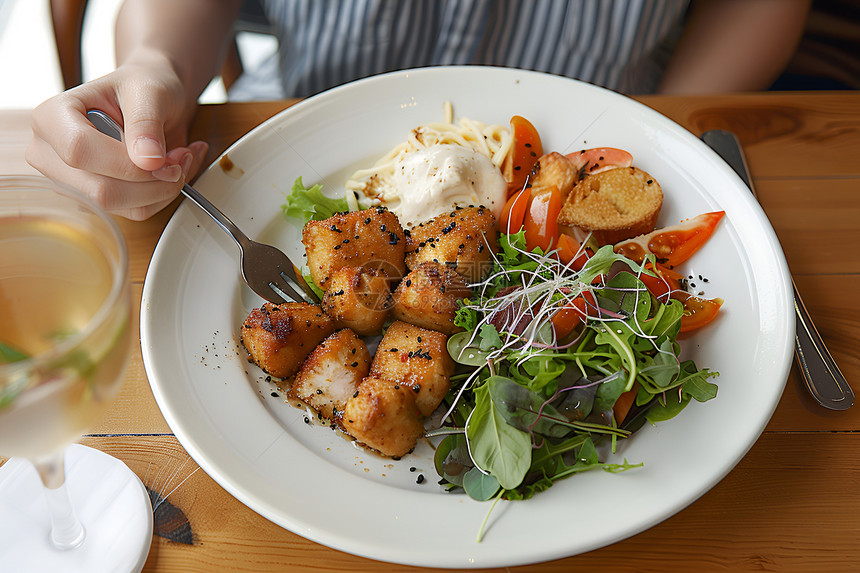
(820, 372)
(223, 220)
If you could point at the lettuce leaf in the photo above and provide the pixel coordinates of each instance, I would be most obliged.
(306, 204)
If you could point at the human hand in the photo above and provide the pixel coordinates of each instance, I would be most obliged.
(136, 178)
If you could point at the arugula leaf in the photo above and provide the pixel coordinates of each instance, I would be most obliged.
(306, 204)
(667, 408)
(695, 382)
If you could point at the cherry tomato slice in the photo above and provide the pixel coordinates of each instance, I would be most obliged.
(541, 219)
(697, 311)
(514, 212)
(672, 245)
(525, 151)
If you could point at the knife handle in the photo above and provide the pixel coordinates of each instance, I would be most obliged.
(821, 375)
(820, 372)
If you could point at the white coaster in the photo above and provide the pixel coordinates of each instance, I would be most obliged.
(109, 499)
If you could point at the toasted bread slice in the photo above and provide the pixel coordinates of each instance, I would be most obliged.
(614, 205)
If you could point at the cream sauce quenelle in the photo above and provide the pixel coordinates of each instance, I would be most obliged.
(430, 181)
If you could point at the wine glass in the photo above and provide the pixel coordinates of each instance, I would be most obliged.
(65, 335)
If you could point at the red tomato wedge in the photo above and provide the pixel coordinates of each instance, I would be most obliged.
(567, 318)
(541, 219)
(568, 247)
(664, 284)
(697, 311)
(672, 245)
(591, 161)
(514, 212)
(525, 151)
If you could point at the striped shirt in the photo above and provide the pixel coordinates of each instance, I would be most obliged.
(619, 44)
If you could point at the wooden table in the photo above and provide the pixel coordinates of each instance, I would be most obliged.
(792, 504)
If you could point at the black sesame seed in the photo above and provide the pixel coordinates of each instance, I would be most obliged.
(420, 478)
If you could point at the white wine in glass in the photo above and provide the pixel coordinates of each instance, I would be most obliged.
(65, 335)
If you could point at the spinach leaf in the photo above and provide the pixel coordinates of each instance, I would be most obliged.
(524, 409)
(480, 486)
(496, 447)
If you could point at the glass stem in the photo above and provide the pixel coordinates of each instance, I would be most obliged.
(66, 530)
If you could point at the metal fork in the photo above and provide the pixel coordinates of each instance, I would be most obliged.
(821, 374)
(265, 269)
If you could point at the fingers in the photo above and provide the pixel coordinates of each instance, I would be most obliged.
(144, 114)
(62, 122)
(134, 200)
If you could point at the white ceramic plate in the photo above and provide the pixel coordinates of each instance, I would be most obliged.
(307, 479)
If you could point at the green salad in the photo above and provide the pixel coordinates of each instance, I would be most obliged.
(528, 408)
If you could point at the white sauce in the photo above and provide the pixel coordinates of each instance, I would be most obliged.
(434, 180)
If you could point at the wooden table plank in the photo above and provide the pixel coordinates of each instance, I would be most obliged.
(789, 505)
(816, 221)
(784, 135)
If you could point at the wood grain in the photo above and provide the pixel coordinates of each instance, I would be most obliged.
(785, 507)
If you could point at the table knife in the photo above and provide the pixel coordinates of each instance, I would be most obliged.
(821, 374)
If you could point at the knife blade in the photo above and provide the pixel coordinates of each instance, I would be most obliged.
(821, 374)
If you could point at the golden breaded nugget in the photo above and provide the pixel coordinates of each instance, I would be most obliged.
(359, 299)
(463, 239)
(331, 374)
(418, 358)
(280, 337)
(372, 238)
(383, 416)
(427, 297)
(554, 170)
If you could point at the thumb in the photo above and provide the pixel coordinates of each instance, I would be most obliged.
(144, 115)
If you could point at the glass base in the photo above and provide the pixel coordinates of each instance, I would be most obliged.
(109, 499)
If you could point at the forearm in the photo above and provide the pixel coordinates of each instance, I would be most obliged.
(735, 45)
(191, 36)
